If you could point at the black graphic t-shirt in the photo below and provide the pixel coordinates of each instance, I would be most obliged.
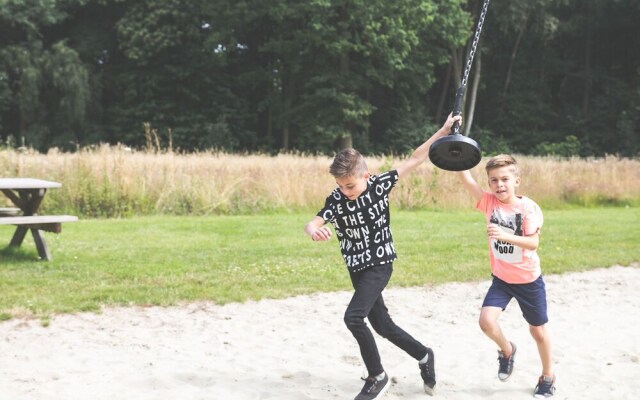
(363, 225)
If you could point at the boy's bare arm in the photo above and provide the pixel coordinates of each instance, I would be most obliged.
(421, 154)
(526, 242)
(470, 184)
(316, 229)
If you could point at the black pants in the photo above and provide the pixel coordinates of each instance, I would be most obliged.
(367, 302)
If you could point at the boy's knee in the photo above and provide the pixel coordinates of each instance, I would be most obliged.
(383, 330)
(539, 333)
(352, 320)
(486, 324)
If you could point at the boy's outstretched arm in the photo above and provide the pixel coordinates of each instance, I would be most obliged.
(470, 184)
(316, 229)
(420, 154)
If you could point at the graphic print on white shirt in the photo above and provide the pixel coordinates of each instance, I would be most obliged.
(510, 223)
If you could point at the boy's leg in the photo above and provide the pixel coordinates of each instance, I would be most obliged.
(506, 354)
(368, 285)
(496, 300)
(532, 298)
(489, 324)
(541, 336)
(383, 324)
(546, 385)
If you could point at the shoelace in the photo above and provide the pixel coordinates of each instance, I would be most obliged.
(426, 373)
(425, 368)
(544, 386)
(372, 384)
(504, 362)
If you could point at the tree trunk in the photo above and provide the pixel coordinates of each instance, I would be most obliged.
(269, 138)
(444, 91)
(587, 63)
(474, 92)
(507, 80)
(367, 130)
(345, 142)
(457, 67)
(346, 137)
(287, 100)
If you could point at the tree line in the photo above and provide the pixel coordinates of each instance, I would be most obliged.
(549, 76)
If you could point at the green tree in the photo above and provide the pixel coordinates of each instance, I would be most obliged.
(254, 75)
(573, 71)
(45, 78)
(322, 68)
(173, 80)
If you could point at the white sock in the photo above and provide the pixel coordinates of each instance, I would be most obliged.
(425, 359)
(381, 376)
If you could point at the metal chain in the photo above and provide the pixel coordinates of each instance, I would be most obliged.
(476, 38)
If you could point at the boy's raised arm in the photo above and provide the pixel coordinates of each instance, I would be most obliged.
(420, 154)
(470, 184)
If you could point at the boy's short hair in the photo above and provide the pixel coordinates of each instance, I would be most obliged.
(503, 160)
(348, 162)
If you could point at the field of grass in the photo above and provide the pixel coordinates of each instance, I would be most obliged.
(164, 260)
(166, 228)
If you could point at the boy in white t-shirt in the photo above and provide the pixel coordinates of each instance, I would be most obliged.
(513, 229)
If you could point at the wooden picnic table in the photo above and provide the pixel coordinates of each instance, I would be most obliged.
(27, 195)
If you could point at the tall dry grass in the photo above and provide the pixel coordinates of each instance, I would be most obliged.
(113, 181)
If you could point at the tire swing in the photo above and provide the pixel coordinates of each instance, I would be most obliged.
(456, 152)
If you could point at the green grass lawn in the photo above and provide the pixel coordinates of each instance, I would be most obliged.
(167, 260)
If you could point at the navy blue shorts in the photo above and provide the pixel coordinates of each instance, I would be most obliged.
(532, 298)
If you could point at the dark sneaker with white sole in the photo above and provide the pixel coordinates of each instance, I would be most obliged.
(545, 388)
(506, 363)
(373, 388)
(428, 373)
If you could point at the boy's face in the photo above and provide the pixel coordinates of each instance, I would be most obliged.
(353, 186)
(503, 183)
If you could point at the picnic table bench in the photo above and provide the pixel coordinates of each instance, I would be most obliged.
(27, 195)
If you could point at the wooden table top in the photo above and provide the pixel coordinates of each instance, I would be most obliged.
(27, 183)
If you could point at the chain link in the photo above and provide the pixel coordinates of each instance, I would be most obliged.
(476, 38)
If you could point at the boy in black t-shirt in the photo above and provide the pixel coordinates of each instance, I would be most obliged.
(358, 209)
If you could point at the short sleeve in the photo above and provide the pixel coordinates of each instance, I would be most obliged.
(485, 203)
(385, 182)
(326, 213)
(533, 219)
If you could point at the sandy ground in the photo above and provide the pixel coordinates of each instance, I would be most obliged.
(298, 348)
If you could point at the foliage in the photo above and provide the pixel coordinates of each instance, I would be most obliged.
(570, 147)
(250, 75)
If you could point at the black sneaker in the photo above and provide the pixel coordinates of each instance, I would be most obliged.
(428, 373)
(546, 387)
(506, 363)
(373, 389)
